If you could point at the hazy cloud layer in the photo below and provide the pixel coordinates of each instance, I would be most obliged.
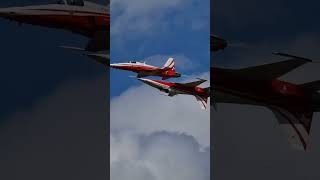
(62, 136)
(160, 155)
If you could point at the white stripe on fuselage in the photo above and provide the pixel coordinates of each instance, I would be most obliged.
(132, 65)
(155, 83)
(57, 9)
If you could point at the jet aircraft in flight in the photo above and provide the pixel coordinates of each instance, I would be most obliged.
(190, 88)
(143, 69)
(81, 17)
(292, 104)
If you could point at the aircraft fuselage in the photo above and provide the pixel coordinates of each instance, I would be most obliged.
(176, 88)
(260, 92)
(78, 19)
(145, 70)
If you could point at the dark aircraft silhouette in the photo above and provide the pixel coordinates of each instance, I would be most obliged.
(217, 43)
(81, 17)
(292, 104)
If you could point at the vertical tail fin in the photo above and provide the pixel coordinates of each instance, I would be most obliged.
(169, 64)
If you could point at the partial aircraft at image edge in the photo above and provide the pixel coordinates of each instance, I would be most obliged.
(217, 43)
(292, 104)
(81, 17)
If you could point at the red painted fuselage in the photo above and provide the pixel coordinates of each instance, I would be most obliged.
(85, 20)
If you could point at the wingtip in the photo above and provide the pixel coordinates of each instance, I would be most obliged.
(201, 79)
(291, 56)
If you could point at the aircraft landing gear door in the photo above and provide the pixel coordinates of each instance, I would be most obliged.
(160, 48)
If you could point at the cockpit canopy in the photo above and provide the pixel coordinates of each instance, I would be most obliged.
(134, 62)
(71, 2)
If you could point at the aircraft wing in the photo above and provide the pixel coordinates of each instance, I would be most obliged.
(194, 83)
(273, 70)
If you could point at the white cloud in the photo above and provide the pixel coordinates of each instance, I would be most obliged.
(160, 155)
(159, 137)
(144, 109)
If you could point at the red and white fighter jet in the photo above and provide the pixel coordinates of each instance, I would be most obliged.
(191, 88)
(78, 16)
(143, 69)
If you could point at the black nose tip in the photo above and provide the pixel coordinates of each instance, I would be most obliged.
(178, 75)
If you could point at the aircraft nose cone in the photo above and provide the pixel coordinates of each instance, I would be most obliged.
(8, 11)
(113, 65)
(142, 79)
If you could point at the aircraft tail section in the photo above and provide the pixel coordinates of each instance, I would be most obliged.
(297, 125)
(203, 101)
(169, 64)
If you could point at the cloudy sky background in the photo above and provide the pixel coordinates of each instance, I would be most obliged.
(247, 141)
(154, 136)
